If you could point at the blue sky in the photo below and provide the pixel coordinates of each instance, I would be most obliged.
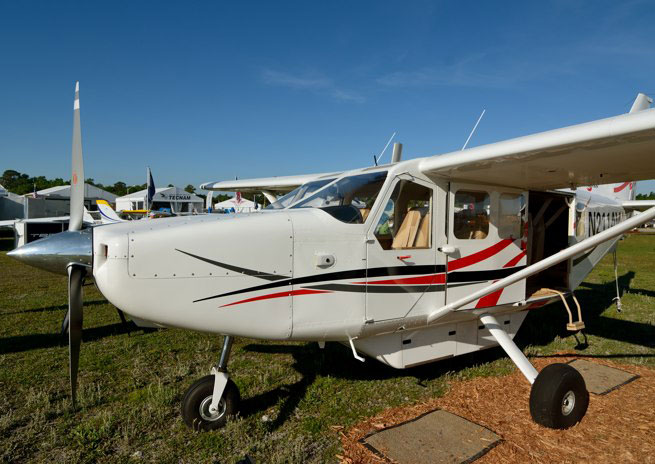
(204, 91)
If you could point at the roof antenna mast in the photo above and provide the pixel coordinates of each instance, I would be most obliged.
(473, 131)
(377, 158)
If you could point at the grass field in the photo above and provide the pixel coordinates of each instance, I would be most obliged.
(292, 393)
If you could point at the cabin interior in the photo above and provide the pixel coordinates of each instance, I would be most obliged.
(548, 230)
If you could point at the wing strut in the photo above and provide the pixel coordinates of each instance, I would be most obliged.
(563, 255)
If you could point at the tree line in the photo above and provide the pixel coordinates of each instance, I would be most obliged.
(20, 184)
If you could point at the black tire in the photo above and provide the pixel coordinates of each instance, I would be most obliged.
(195, 405)
(559, 397)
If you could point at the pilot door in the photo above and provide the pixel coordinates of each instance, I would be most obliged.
(405, 275)
(487, 238)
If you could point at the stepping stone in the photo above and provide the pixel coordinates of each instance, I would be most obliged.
(601, 379)
(435, 437)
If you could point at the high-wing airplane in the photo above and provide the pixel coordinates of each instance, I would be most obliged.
(407, 263)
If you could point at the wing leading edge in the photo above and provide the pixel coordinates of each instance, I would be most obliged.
(283, 184)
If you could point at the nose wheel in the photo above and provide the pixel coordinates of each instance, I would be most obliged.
(196, 405)
(211, 400)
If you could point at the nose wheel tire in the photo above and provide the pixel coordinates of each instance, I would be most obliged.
(195, 405)
(559, 397)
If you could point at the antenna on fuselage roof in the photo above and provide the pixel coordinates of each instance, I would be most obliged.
(473, 131)
(377, 158)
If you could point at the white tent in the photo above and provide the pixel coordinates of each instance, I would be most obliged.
(91, 193)
(176, 199)
(240, 205)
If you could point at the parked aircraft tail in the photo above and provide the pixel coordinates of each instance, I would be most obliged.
(107, 213)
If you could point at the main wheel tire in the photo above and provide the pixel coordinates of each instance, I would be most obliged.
(196, 402)
(559, 397)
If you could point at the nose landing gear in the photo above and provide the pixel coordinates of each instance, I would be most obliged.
(209, 402)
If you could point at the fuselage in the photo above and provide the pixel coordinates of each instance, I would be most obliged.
(310, 273)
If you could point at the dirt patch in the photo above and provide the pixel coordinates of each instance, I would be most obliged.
(617, 427)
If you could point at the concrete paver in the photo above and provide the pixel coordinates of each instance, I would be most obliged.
(436, 437)
(601, 379)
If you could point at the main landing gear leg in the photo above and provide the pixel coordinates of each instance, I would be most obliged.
(212, 399)
(559, 397)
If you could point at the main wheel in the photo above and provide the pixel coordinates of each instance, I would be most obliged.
(198, 398)
(559, 397)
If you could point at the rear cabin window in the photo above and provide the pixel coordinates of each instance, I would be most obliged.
(471, 215)
(406, 220)
(510, 220)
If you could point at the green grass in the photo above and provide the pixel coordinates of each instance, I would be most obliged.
(131, 384)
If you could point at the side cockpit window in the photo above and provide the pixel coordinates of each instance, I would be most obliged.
(406, 222)
(471, 215)
(299, 193)
(349, 199)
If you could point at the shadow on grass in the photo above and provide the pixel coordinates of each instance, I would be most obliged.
(63, 307)
(6, 241)
(541, 328)
(543, 325)
(596, 356)
(20, 343)
(336, 360)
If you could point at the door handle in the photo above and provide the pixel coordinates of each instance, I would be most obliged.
(404, 257)
(448, 249)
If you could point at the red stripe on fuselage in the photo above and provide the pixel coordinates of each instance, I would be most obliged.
(480, 255)
(492, 299)
(514, 261)
(420, 280)
(489, 300)
(277, 295)
(621, 187)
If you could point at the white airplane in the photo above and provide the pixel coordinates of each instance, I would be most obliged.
(407, 263)
(107, 213)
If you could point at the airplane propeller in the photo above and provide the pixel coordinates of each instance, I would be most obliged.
(76, 272)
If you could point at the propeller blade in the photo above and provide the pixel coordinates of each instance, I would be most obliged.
(77, 177)
(75, 280)
(64, 325)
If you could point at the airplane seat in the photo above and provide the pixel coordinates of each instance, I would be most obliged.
(423, 235)
(407, 231)
(480, 229)
(478, 234)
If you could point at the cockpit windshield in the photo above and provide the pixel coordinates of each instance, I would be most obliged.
(299, 193)
(349, 199)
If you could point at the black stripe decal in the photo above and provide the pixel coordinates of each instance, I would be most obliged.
(493, 274)
(341, 275)
(378, 288)
(240, 270)
(382, 288)
(467, 277)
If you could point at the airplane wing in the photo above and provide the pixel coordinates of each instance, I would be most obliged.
(638, 205)
(283, 184)
(616, 149)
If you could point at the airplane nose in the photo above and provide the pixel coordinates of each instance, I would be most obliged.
(56, 252)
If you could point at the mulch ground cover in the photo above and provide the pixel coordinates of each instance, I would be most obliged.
(618, 426)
